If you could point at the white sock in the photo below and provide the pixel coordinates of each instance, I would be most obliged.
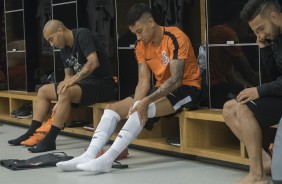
(152, 110)
(101, 136)
(103, 164)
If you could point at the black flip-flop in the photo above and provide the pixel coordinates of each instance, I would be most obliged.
(118, 165)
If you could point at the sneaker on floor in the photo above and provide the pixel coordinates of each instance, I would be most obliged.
(24, 112)
(33, 140)
(46, 126)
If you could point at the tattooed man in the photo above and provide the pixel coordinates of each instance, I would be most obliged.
(88, 79)
(167, 53)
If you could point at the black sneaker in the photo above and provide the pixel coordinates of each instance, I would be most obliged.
(14, 112)
(175, 141)
(24, 112)
(17, 111)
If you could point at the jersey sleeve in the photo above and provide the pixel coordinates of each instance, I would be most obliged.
(139, 52)
(179, 46)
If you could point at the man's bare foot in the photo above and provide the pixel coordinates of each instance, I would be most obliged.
(250, 179)
(266, 160)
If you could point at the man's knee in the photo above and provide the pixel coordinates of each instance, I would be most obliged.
(45, 90)
(113, 107)
(229, 104)
(242, 110)
(125, 103)
(65, 96)
(228, 108)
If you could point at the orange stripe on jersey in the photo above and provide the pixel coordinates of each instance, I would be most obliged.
(175, 45)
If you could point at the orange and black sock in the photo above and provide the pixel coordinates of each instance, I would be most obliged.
(34, 125)
(48, 143)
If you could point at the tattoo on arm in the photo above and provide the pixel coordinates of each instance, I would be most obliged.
(88, 68)
(176, 70)
(82, 74)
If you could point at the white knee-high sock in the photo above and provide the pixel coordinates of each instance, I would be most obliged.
(101, 136)
(103, 132)
(152, 110)
(103, 164)
(129, 131)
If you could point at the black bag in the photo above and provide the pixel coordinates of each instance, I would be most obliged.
(45, 160)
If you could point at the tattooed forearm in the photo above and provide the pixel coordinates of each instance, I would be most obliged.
(176, 69)
(83, 73)
(87, 69)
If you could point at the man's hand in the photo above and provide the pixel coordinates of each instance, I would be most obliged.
(261, 42)
(64, 85)
(247, 95)
(142, 110)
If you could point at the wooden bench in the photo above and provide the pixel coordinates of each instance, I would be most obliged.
(202, 132)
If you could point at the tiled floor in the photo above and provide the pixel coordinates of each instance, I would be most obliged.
(144, 167)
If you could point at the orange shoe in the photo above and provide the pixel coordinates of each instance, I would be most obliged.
(45, 127)
(33, 140)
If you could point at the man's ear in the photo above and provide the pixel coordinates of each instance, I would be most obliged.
(60, 29)
(151, 22)
(274, 17)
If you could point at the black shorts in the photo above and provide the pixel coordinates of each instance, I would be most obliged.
(267, 110)
(94, 90)
(187, 97)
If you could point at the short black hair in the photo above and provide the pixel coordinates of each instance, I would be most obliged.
(136, 11)
(258, 7)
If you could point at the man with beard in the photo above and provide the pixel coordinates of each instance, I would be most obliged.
(259, 107)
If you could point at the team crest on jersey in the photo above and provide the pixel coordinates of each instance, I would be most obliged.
(165, 58)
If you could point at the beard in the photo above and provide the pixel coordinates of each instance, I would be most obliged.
(275, 32)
